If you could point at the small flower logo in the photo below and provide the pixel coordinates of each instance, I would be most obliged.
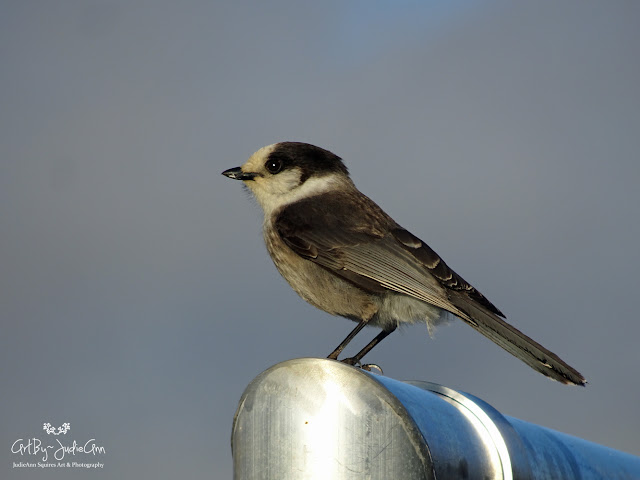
(56, 431)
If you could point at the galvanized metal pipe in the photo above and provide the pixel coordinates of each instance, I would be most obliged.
(320, 419)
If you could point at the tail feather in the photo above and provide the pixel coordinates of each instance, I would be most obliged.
(514, 341)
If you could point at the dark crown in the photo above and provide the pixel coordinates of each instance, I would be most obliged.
(312, 160)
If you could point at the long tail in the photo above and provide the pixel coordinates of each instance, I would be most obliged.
(514, 341)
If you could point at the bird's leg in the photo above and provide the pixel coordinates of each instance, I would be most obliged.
(358, 356)
(334, 355)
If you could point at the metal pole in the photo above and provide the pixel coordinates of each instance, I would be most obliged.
(320, 419)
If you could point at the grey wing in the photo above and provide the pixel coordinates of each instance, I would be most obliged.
(356, 240)
(351, 236)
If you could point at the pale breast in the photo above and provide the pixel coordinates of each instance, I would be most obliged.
(318, 286)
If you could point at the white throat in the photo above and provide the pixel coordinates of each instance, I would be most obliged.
(272, 201)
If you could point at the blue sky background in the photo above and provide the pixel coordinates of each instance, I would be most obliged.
(136, 297)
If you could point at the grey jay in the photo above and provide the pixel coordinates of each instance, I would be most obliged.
(343, 254)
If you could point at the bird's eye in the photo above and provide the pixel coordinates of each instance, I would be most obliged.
(273, 166)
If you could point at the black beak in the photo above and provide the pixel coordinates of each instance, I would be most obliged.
(238, 174)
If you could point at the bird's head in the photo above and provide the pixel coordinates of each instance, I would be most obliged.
(284, 172)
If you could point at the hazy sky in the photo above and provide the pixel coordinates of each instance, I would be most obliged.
(136, 298)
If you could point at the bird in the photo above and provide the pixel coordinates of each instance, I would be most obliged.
(343, 254)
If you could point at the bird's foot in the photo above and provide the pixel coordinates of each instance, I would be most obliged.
(351, 361)
(355, 361)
